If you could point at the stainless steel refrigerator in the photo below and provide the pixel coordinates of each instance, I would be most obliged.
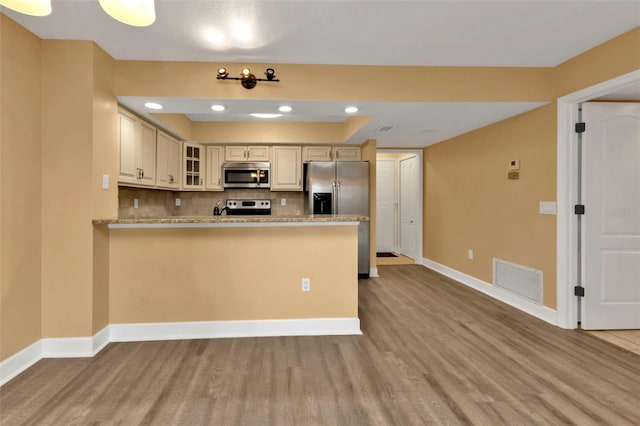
(341, 188)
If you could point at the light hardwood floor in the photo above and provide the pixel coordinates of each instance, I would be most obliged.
(627, 339)
(399, 260)
(433, 352)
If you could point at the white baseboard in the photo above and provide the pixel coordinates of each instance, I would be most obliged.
(77, 347)
(20, 361)
(539, 311)
(221, 329)
(373, 273)
(100, 340)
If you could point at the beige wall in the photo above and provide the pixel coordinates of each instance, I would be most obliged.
(613, 58)
(67, 107)
(254, 132)
(217, 274)
(470, 203)
(336, 82)
(20, 188)
(79, 146)
(179, 124)
(105, 161)
(369, 154)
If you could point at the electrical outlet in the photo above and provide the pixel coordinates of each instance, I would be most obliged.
(306, 284)
(135, 203)
(283, 201)
(470, 254)
(178, 202)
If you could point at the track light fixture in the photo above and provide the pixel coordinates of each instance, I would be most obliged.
(247, 79)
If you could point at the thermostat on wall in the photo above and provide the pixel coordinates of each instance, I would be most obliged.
(514, 165)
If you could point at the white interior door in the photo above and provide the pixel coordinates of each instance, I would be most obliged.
(386, 222)
(611, 195)
(408, 244)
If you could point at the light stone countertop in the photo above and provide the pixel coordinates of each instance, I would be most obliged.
(231, 221)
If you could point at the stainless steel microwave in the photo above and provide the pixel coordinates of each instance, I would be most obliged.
(246, 175)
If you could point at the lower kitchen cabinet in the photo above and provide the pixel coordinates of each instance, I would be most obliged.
(215, 157)
(286, 168)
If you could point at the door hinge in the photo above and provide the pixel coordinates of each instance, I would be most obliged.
(578, 291)
(578, 209)
(581, 127)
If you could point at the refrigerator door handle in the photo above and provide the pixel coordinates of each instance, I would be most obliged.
(337, 198)
(334, 194)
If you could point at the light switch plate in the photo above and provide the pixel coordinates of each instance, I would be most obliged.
(105, 181)
(283, 201)
(178, 202)
(548, 207)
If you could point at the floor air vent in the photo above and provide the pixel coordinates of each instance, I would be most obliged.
(517, 279)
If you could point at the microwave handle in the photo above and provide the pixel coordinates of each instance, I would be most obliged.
(258, 176)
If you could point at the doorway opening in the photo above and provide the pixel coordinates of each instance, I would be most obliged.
(399, 204)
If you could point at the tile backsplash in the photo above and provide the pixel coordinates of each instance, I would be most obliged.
(161, 203)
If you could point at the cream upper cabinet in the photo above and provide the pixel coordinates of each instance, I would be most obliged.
(239, 153)
(168, 160)
(316, 153)
(137, 141)
(127, 132)
(286, 168)
(213, 180)
(346, 153)
(193, 166)
(331, 153)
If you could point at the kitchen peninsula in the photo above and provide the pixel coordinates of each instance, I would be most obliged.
(206, 276)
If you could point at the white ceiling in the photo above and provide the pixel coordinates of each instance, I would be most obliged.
(430, 33)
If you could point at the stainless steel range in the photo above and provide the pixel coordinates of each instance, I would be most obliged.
(248, 207)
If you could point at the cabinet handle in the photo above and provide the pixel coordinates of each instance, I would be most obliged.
(142, 173)
(170, 179)
(337, 154)
(299, 181)
(200, 181)
(218, 181)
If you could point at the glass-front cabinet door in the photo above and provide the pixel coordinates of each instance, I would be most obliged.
(193, 166)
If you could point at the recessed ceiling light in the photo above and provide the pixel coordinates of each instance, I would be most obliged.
(153, 105)
(217, 107)
(351, 109)
(285, 108)
(261, 115)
